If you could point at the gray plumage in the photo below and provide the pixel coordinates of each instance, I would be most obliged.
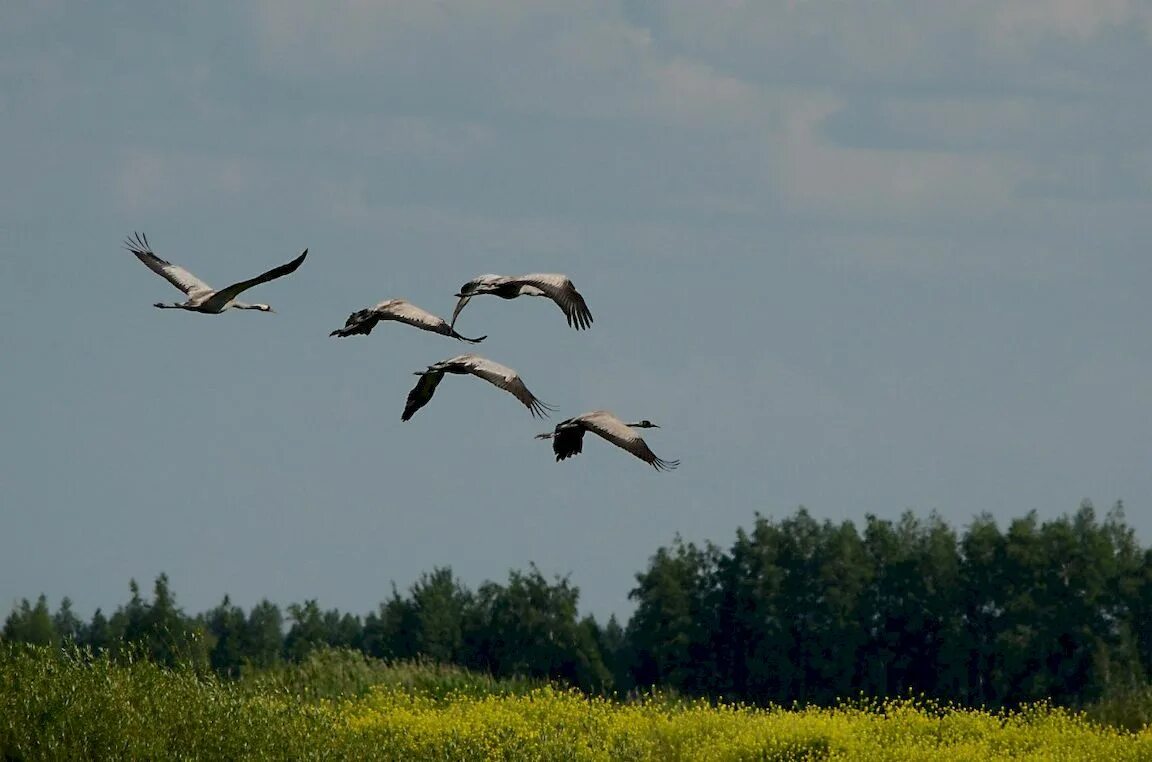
(568, 437)
(201, 296)
(402, 311)
(554, 286)
(492, 372)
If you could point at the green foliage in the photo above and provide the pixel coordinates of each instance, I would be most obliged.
(31, 624)
(74, 704)
(794, 611)
(330, 673)
(1127, 707)
(157, 628)
(78, 705)
(529, 627)
(799, 610)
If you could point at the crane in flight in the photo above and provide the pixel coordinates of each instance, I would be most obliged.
(402, 311)
(568, 437)
(492, 372)
(201, 296)
(554, 286)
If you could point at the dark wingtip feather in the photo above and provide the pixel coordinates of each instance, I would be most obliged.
(137, 244)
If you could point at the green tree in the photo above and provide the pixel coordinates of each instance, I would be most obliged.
(439, 605)
(671, 627)
(67, 625)
(264, 634)
(159, 628)
(228, 628)
(97, 634)
(389, 632)
(982, 599)
(612, 643)
(307, 632)
(312, 628)
(31, 624)
(530, 628)
(910, 607)
(788, 596)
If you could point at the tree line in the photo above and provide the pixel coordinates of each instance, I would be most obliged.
(795, 610)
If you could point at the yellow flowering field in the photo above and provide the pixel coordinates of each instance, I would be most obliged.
(94, 707)
(547, 724)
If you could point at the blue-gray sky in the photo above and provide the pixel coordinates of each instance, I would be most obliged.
(864, 257)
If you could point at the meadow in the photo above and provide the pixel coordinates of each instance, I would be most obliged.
(340, 705)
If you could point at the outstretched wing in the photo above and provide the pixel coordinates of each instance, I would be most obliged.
(567, 442)
(359, 322)
(508, 380)
(623, 436)
(225, 295)
(404, 311)
(174, 274)
(421, 393)
(559, 289)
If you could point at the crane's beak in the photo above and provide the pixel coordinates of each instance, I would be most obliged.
(655, 425)
(274, 312)
(460, 296)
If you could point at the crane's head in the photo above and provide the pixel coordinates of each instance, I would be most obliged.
(644, 424)
(264, 308)
(481, 284)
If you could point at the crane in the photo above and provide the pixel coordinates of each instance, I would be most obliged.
(554, 286)
(492, 372)
(568, 437)
(201, 296)
(400, 310)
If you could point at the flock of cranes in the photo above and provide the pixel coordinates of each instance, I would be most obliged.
(567, 437)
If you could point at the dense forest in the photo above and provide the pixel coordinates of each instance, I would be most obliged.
(794, 610)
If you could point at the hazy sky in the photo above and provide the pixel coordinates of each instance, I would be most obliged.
(864, 257)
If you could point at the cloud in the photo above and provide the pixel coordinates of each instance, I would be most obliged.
(927, 256)
(1091, 176)
(816, 174)
(1028, 124)
(1027, 21)
(1000, 46)
(503, 57)
(148, 180)
(858, 111)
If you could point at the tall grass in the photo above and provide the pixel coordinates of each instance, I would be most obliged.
(343, 673)
(340, 706)
(75, 706)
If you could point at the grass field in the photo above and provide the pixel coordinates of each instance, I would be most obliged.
(345, 707)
